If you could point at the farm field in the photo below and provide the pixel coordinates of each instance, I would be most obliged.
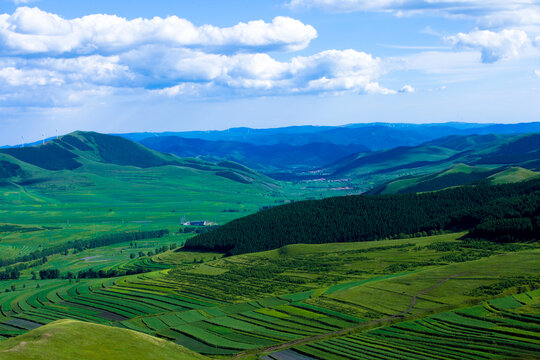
(502, 328)
(244, 304)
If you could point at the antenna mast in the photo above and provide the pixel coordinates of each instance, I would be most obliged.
(22, 144)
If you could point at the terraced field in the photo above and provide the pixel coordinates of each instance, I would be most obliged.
(501, 328)
(241, 305)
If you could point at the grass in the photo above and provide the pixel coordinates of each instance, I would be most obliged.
(228, 305)
(70, 339)
(480, 335)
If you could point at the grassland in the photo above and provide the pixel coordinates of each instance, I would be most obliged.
(248, 303)
(70, 339)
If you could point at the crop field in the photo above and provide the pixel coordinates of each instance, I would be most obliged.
(501, 328)
(244, 304)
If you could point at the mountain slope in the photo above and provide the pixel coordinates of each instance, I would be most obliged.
(278, 156)
(70, 339)
(490, 151)
(456, 175)
(368, 218)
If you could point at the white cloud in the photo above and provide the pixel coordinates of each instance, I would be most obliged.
(330, 71)
(537, 72)
(407, 89)
(493, 45)
(33, 31)
(17, 77)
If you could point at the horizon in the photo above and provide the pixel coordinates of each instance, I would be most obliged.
(120, 67)
(37, 142)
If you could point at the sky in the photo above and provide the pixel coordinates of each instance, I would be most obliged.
(174, 65)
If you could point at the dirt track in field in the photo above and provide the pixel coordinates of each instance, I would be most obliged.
(341, 332)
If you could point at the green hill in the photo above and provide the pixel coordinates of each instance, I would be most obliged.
(498, 211)
(513, 174)
(487, 151)
(71, 339)
(457, 175)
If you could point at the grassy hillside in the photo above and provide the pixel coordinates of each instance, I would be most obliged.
(459, 174)
(487, 151)
(502, 209)
(71, 339)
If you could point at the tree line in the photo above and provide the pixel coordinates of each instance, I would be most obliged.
(509, 209)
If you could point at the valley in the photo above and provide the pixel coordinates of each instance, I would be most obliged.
(415, 252)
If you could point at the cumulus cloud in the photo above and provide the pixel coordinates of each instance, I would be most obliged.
(493, 45)
(407, 89)
(33, 31)
(42, 53)
(329, 71)
(191, 73)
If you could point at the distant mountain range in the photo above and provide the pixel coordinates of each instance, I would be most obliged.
(259, 157)
(373, 136)
(434, 164)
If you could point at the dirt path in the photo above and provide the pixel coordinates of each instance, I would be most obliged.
(341, 332)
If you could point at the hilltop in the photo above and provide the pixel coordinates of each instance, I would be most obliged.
(71, 339)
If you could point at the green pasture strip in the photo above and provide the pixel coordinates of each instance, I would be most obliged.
(194, 344)
(172, 320)
(271, 302)
(238, 308)
(311, 351)
(73, 312)
(249, 338)
(325, 311)
(288, 331)
(124, 303)
(404, 347)
(447, 341)
(505, 303)
(250, 328)
(154, 323)
(128, 325)
(350, 285)
(215, 311)
(177, 305)
(277, 323)
(191, 316)
(211, 339)
(107, 307)
(524, 298)
(157, 305)
(296, 311)
(301, 296)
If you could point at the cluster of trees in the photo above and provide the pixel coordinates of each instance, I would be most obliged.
(522, 283)
(92, 274)
(197, 229)
(49, 274)
(367, 218)
(10, 274)
(80, 245)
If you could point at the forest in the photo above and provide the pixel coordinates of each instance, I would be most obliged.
(502, 213)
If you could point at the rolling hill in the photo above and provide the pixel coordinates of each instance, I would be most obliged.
(496, 211)
(260, 157)
(459, 174)
(88, 177)
(433, 157)
(71, 339)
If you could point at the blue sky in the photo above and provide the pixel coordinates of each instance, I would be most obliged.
(163, 65)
